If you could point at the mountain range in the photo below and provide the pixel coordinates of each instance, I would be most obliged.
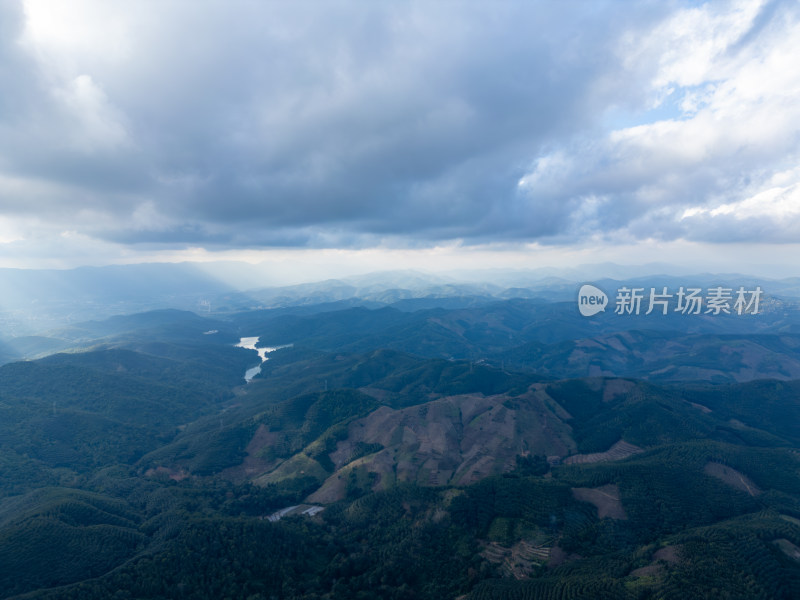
(491, 444)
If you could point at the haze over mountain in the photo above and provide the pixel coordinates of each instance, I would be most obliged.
(409, 301)
(35, 299)
(447, 444)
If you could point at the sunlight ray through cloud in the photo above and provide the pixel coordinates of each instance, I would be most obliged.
(347, 125)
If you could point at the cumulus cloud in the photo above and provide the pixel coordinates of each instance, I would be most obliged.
(355, 124)
(709, 172)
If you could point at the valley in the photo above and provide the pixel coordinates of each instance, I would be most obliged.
(412, 300)
(479, 451)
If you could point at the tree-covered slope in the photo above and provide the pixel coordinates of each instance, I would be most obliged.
(145, 468)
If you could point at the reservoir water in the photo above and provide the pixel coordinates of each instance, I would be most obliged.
(250, 344)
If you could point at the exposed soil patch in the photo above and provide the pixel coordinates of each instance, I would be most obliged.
(558, 556)
(669, 554)
(606, 498)
(618, 451)
(174, 474)
(615, 388)
(456, 440)
(253, 465)
(788, 548)
(732, 477)
(518, 561)
(701, 408)
(648, 571)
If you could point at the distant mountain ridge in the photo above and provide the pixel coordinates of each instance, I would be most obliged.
(38, 300)
(467, 446)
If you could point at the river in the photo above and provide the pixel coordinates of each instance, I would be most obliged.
(249, 343)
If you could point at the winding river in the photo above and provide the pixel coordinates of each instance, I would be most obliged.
(249, 343)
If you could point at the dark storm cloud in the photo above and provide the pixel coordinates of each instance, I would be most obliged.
(328, 124)
(395, 122)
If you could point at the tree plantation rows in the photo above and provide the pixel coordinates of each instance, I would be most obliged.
(146, 469)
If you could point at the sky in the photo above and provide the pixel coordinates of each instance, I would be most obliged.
(364, 135)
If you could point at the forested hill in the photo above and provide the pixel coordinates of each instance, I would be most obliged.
(495, 451)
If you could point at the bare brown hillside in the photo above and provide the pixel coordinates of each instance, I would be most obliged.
(454, 440)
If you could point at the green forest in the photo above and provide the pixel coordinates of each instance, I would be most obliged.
(152, 471)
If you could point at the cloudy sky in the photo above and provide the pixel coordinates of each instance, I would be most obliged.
(400, 133)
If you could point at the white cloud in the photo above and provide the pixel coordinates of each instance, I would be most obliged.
(778, 204)
(695, 45)
(739, 127)
(63, 34)
(357, 124)
(96, 124)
